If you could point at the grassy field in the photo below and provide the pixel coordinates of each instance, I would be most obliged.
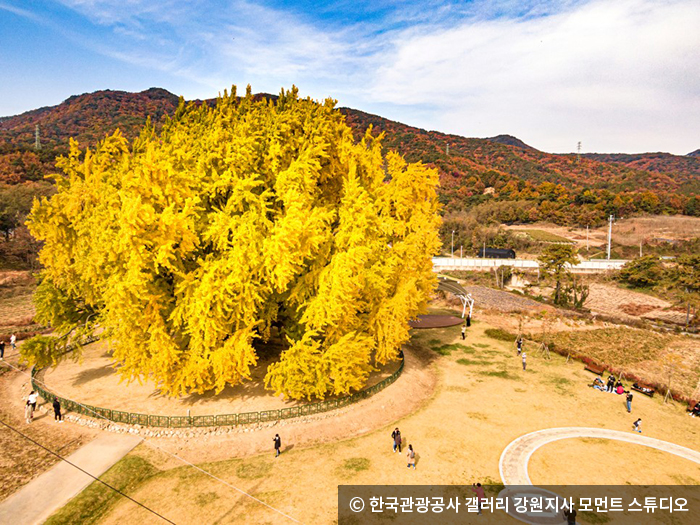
(657, 358)
(483, 401)
(545, 236)
(16, 305)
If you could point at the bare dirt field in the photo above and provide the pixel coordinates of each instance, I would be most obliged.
(483, 400)
(628, 232)
(618, 302)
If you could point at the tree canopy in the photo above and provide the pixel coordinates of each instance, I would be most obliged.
(554, 262)
(189, 246)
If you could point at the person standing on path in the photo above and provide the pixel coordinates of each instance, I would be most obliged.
(278, 444)
(464, 332)
(396, 436)
(524, 361)
(31, 399)
(28, 414)
(57, 411)
(411, 455)
(13, 342)
(479, 491)
(637, 425)
(629, 402)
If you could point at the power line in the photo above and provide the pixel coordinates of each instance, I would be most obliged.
(170, 453)
(25, 436)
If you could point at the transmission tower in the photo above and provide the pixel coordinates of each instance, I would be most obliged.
(578, 150)
(447, 150)
(37, 141)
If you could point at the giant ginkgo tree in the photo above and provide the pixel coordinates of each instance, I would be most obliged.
(191, 247)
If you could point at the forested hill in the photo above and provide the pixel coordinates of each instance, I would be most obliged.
(507, 155)
(562, 188)
(87, 118)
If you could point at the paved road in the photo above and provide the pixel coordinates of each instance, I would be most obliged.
(516, 456)
(41, 497)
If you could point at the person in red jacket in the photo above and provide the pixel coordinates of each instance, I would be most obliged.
(479, 491)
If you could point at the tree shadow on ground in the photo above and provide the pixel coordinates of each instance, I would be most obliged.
(85, 376)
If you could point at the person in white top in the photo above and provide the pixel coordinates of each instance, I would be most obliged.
(31, 399)
(13, 341)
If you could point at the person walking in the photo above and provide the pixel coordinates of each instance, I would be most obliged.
(524, 361)
(519, 344)
(31, 399)
(57, 411)
(479, 491)
(464, 332)
(278, 444)
(570, 515)
(637, 425)
(396, 436)
(629, 402)
(2, 350)
(13, 342)
(411, 455)
(28, 413)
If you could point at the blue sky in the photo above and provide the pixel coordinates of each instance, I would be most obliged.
(617, 75)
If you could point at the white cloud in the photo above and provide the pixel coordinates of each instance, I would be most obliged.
(617, 75)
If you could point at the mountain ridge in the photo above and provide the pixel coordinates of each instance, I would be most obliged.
(472, 170)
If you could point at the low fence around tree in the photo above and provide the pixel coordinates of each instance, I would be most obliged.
(246, 418)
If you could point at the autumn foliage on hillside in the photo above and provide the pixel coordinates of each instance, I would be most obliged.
(524, 185)
(88, 118)
(237, 223)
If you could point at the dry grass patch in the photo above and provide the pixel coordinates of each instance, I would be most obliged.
(643, 353)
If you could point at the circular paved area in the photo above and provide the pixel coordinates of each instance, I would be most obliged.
(516, 456)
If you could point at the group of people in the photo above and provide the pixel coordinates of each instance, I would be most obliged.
(30, 408)
(396, 441)
(695, 411)
(13, 344)
(521, 352)
(614, 387)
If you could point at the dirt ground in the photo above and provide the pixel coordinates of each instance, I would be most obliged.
(93, 380)
(625, 231)
(21, 460)
(483, 400)
(618, 302)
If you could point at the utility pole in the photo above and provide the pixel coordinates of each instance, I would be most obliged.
(610, 221)
(578, 154)
(453, 244)
(37, 142)
(586, 239)
(460, 252)
(640, 247)
(447, 151)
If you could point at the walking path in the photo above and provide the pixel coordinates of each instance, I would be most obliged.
(41, 497)
(516, 456)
